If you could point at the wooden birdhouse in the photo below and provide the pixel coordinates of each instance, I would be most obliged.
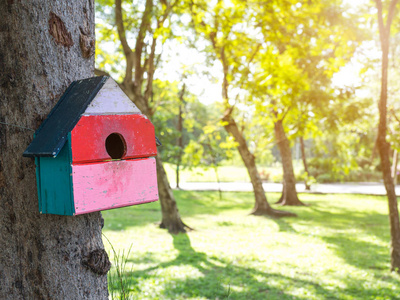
(95, 151)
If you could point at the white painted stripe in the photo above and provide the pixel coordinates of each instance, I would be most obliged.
(111, 100)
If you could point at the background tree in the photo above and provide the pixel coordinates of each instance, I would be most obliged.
(147, 29)
(383, 145)
(304, 44)
(44, 46)
(223, 26)
(179, 121)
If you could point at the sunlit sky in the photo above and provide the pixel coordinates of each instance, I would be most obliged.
(182, 58)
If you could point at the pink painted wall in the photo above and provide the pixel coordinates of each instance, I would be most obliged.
(107, 185)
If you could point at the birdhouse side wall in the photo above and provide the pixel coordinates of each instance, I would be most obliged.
(54, 180)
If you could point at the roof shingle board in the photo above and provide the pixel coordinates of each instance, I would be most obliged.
(52, 134)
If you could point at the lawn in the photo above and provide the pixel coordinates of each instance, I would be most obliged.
(337, 248)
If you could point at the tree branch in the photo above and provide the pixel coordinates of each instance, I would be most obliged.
(99, 72)
(122, 37)
(151, 70)
(391, 111)
(139, 71)
(392, 12)
(152, 66)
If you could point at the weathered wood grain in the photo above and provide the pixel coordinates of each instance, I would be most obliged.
(89, 136)
(111, 100)
(107, 185)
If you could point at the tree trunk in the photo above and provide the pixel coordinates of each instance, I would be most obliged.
(303, 156)
(289, 195)
(383, 145)
(44, 46)
(177, 175)
(171, 219)
(394, 166)
(261, 206)
(140, 96)
(180, 138)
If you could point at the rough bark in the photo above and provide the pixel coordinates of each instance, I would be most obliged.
(133, 87)
(41, 52)
(289, 194)
(304, 158)
(261, 206)
(382, 144)
(171, 219)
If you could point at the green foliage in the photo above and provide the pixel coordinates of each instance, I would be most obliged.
(278, 58)
(204, 142)
(306, 44)
(345, 146)
(336, 249)
(210, 149)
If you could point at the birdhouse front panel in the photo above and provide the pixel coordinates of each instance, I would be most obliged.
(105, 137)
(107, 185)
(95, 151)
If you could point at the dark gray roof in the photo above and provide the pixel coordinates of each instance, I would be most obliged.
(52, 134)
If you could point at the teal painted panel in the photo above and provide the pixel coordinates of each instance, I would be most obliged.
(56, 183)
(71, 189)
(37, 163)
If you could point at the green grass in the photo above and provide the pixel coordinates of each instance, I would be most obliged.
(337, 248)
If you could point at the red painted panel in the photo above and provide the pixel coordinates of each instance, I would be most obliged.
(88, 138)
(107, 185)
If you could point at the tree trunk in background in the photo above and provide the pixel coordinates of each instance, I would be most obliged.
(394, 166)
(180, 130)
(171, 219)
(303, 156)
(383, 145)
(179, 144)
(261, 206)
(44, 46)
(140, 95)
(289, 195)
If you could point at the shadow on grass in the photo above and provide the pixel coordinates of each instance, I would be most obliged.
(284, 226)
(347, 232)
(189, 204)
(353, 249)
(211, 277)
(219, 279)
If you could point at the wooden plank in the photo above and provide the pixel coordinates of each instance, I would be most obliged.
(55, 184)
(108, 185)
(111, 100)
(89, 137)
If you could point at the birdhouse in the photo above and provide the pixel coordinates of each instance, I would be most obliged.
(95, 151)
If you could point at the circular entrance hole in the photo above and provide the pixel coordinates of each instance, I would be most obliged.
(115, 145)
